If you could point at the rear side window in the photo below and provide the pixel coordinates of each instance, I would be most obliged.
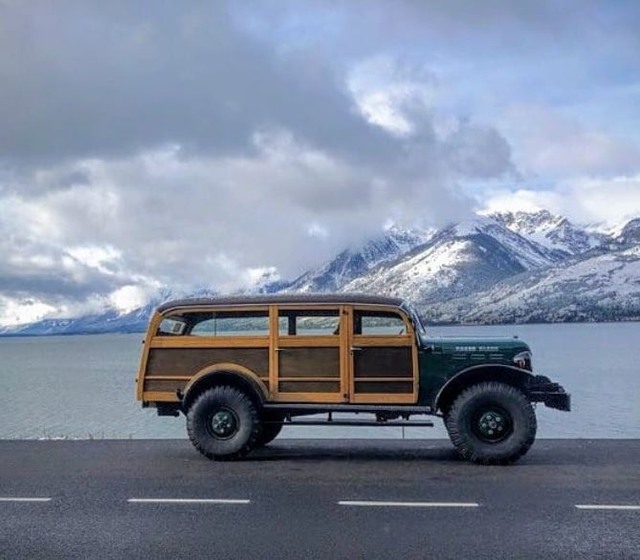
(216, 324)
(222, 324)
(172, 326)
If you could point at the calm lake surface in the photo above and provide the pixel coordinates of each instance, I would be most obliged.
(83, 386)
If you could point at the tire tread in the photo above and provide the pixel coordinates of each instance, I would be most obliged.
(228, 394)
(461, 440)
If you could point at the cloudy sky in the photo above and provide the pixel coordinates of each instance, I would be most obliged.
(193, 144)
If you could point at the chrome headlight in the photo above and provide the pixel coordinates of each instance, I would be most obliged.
(523, 360)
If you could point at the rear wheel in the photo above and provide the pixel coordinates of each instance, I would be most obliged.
(491, 423)
(223, 423)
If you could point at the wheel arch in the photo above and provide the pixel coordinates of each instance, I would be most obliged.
(509, 375)
(233, 375)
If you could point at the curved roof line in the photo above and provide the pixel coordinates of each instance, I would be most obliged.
(282, 298)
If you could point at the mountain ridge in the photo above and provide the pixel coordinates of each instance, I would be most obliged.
(495, 268)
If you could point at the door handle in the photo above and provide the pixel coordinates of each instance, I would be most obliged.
(356, 349)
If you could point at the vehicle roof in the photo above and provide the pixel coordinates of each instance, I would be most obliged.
(281, 299)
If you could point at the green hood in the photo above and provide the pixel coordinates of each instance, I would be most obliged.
(486, 348)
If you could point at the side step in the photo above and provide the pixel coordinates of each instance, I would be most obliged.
(309, 408)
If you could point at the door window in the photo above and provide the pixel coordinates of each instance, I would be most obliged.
(378, 323)
(309, 322)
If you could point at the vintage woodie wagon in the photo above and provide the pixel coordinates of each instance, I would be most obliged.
(240, 368)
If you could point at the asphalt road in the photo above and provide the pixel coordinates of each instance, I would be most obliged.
(317, 499)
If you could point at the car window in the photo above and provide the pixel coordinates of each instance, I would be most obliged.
(232, 324)
(172, 326)
(371, 323)
(309, 323)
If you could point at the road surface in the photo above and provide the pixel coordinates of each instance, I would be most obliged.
(317, 499)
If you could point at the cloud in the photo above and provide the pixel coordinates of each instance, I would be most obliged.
(608, 202)
(555, 145)
(26, 310)
(84, 79)
(169, 215)
(387, 91)
(187, 220)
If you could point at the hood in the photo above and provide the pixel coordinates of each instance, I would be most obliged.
(506, 346)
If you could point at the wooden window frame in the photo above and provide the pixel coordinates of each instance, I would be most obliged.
(278, 342)
(382, 340)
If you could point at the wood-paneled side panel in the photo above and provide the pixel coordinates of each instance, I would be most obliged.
(375, 361)
(393, 387)
(174, 385)
(209, 342)
(164, 385)
(301, 341)
(309, 386)
(188, 361)
(309, 362)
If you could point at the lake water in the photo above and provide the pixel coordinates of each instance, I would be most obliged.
(83, 386)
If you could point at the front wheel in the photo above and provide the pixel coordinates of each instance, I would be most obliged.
(491, 423)
(223, 423)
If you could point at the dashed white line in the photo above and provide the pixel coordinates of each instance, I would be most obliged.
(185, 501)
(608, 506)
(361, 503)
(8, 499)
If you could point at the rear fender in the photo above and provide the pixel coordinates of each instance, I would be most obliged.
(224, 374)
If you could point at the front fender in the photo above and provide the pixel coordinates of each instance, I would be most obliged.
(503, 373)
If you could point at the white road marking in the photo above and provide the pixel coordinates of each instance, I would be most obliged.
(410, 504)
(185, 501)
(25, 499)
(605, 506)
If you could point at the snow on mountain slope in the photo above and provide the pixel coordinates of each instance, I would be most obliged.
(605, 286)
(111, 320)
(460, 260)
(529, 253)
(630, 233)
(107, 322)
(553, 232)
(457, 261)
(352, 263)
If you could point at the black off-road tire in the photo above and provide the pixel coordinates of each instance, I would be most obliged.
(491, 423)
(223, 423)
(271, 428)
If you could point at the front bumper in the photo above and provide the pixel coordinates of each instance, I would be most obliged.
(542, 389)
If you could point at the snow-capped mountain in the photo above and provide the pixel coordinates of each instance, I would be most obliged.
(108, 322)
(551, 231)
(461, 259)
(353, 263)
(111, 320)
(527, 251)
(602, 287)
(507, 267)
(630, 233)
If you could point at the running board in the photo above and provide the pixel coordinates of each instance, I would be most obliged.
(389, 424)
(309, 408)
